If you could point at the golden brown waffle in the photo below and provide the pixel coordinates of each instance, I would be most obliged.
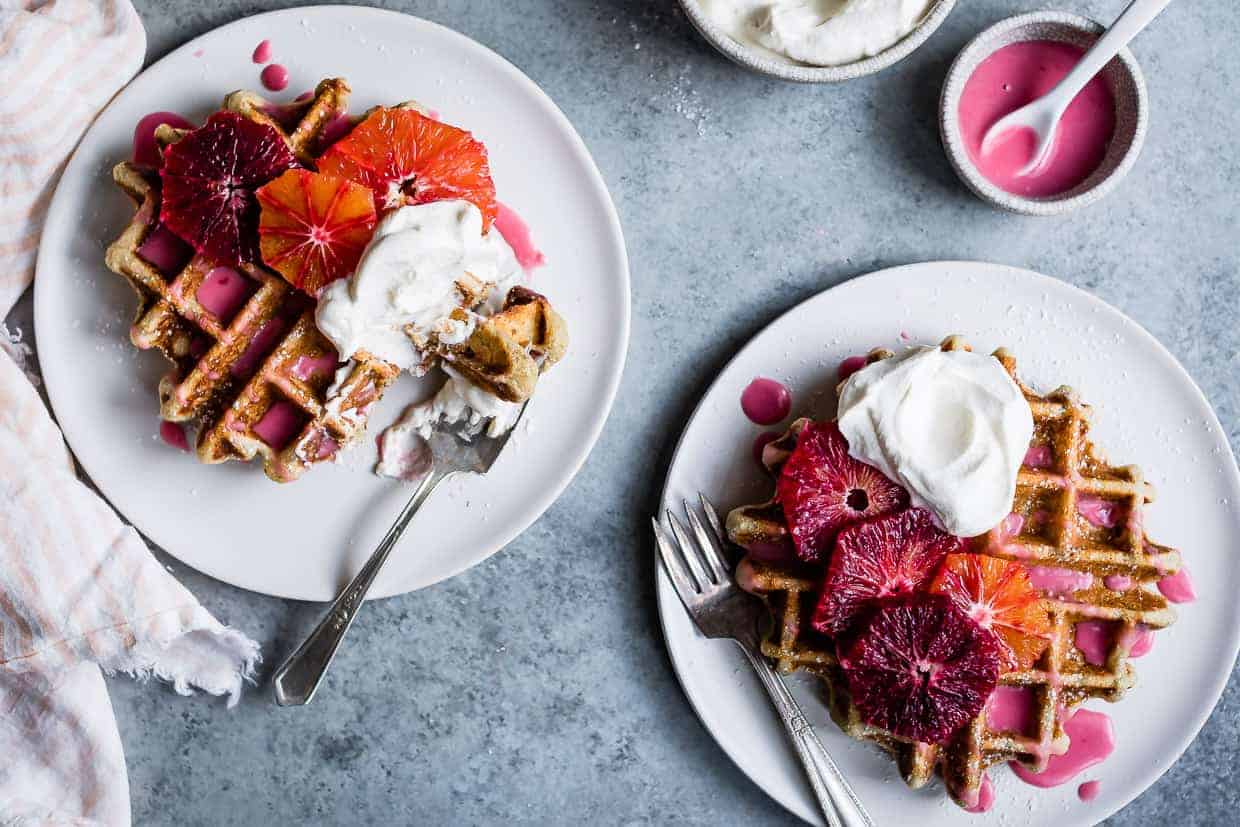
(1049, 532)
(507, 352)
(268, 359)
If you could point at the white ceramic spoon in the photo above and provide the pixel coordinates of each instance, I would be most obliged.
(1042, 114)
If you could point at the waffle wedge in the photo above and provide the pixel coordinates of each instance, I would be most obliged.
(266, 371)
(1062, 472)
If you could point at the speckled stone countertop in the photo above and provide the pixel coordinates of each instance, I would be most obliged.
(536, 687)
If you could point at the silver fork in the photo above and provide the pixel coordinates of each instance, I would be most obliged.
(694, 560)
(456, 448)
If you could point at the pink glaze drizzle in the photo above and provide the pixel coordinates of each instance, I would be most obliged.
(279, 425)
(760, 442)
(850, 366)
(173, 433)
(262, 52)
(1178, 587)
(1117, 582)
(165, 250)
(223, 292)
(145, 147)
(275, 77)
(1039, 456)
(1138, 641)
(308, 366)
(766, 401)
(1099, 512)
(335, 129)
(517, 233)
(1059, 582)
(1089, 790)
(1093, 639)
(1092, 739)
(1010, 709)
(985, 797)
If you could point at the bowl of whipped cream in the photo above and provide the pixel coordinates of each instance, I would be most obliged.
(816, 41)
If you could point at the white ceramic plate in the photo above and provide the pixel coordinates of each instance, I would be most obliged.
(303, 540)
(1146, 411)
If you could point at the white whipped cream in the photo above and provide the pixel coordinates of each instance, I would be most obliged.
(951, 427)
(407, 276)
(405, 454)
(817, 32)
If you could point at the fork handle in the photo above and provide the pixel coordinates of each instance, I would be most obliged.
(297, 679)
(838, 802)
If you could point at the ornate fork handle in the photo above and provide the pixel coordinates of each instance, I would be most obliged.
(298, 678)
(838, 802)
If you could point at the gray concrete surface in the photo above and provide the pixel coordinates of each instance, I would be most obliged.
(536, 687)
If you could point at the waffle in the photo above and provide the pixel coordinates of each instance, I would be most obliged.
(1050, 532)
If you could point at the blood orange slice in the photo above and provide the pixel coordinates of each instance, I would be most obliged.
(312, 227)
(408, 158)
(998, 595)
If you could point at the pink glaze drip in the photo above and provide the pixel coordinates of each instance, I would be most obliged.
(1089, 790)
(1092, 740)
(275, 77)
(173, 433)
(850, 366)
(307, 366)
(1059, 582)
(760, 442)
(327, 447)
(1011, 710)
(1039, 456)
(1138, 641)
(985, 797)
(1099, 512)
(1178, 587)
(223, 292)
(279, 425)
(775, 553)
(165, 250)
(1013, 76)
(145, 148)
(335, 129)
(1094, 639)
(258, 348)
(517, 233)
(1117, 582)
(1011, 526)
(766, 401)
(262, 52)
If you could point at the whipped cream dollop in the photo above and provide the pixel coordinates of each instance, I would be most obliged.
(817, 32)
(422, 263)
(952, 427)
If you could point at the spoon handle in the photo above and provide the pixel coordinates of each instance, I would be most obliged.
(296, 681)
(1130, 22)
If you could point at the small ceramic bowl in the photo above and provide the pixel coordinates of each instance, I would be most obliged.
(788, 70)
(1122, 74)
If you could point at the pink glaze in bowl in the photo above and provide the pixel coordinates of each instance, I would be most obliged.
(1123, 76)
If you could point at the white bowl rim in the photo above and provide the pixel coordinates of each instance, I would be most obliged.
(804, 73)
(953, 143)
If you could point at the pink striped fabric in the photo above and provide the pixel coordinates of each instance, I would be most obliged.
(79, 590)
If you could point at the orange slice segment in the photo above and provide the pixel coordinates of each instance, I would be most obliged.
(312, 228)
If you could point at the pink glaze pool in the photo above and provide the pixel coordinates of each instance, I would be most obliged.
(279, 425)
(766, 401)
(223, 292)
(173, 433)
(1012, 77)
(262, 52)
(165, 249)
(985, 797)
(517, 233)
(1089, 790)
(1011, 709)
(1178, 587)
(145, 148)
(1092, 740)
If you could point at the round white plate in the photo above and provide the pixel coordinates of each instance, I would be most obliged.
(1147, 411)
(303, 540)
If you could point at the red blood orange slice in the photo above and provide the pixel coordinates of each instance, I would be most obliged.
(408, 158)
(312, 228)
(209, 178)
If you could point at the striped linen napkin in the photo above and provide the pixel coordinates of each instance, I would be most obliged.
(80, 593)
